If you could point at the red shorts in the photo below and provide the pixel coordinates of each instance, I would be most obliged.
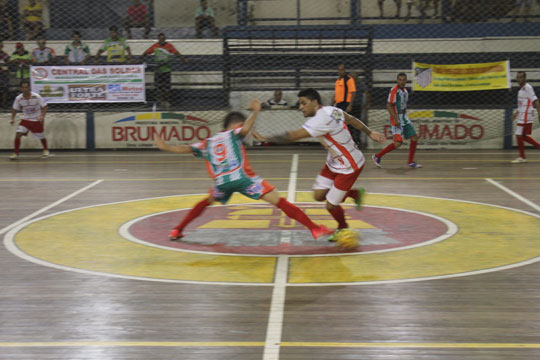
(524, 129)
(341, 181)
(36, 127)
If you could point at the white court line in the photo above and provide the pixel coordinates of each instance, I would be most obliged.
(277, 305)
(514, 194)
(42, 210)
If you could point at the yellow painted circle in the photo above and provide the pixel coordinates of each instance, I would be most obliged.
(87, 240)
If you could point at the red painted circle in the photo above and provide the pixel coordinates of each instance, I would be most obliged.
(391, 229)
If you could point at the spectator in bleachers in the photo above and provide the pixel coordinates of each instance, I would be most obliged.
(76, 52)
(137, 16)
(116, 48)
(33, 23)
(6, 26)
(277, 99)
(204, 17)
(21, 58)
(163, 52)
(4, 75)
(43, 55)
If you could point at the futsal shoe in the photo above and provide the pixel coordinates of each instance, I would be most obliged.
(376, 160)
(358, 201)
(14, 156)
(320, 232)
(175, 234)
(414, 165)
(335, 235)
(519, 160)
(45, 154)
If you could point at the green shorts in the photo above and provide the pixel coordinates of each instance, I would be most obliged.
(252, 187)
(407, 131)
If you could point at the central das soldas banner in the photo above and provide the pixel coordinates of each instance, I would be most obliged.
(89, 84)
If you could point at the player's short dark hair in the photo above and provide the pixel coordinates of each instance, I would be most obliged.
(161, 34)
(401, 74)
(311, 94)
(232, 117)
(524, 73)
(113, 28)
(76, 32)
(24, 82)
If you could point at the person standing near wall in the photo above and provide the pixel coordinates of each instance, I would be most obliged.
(526, 100)
(21, 58)
(4, 75)
(163, 52)
(43, 55)
(344, 94)
(76, 52)
(34, 109)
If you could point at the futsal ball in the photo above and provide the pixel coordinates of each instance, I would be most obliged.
(347, 239)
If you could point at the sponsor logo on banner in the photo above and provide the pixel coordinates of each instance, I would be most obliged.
(89, 83)
(139, 130)
(90, 92)
(449, 128)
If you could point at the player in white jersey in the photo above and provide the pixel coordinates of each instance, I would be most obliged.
(34, 109)
(524, 115)
(227, 164)
(344, 162)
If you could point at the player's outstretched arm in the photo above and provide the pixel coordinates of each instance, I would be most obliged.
(358, 124)
(178, 149)
(255, 105)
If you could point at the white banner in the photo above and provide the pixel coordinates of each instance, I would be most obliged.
(137, 130)
(447, 129)
(63, 131)
(89, 84)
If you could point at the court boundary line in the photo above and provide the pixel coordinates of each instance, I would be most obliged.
(50, 206)
(276, 314)
(300, 344)
(514, 194)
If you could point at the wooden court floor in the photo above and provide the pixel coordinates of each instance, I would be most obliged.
(447, 268)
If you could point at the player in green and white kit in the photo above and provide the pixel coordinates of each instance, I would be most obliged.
(399, 122)
(227, 164)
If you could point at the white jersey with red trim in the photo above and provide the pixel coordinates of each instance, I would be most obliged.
(329, 127)
(31, 108)
(526, 98)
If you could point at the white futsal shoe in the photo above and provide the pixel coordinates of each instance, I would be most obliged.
(519, 160)
(45, 154)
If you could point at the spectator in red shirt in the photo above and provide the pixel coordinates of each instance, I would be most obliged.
(137, 16)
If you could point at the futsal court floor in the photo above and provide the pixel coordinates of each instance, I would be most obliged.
(448, 265)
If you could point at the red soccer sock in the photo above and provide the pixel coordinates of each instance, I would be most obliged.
(339, 214)
(295, 213)
(531, 141)
(386, 150)
(353, 194)
(44, 143)
(412, 151)
(193, 213)
(521, 146)
(17, 145)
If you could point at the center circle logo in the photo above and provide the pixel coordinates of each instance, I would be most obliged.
(266, 230)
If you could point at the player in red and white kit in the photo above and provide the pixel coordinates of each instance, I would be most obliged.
(34, 109)
(524, 115)
(344, 162)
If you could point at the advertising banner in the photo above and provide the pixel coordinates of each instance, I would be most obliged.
(447, 129)
(63, 131)
(461, 77)
(137, 130)
(89, 84)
